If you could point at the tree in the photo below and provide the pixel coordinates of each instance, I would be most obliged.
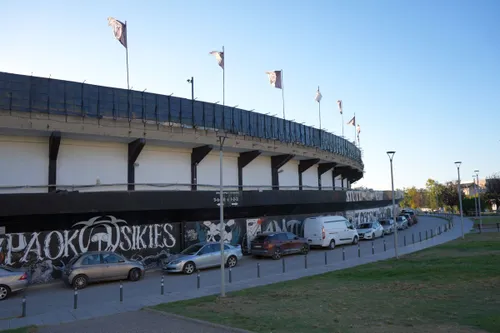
(449, 194)
(493, 188)
(434, 191)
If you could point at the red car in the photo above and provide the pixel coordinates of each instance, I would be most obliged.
(277, 244)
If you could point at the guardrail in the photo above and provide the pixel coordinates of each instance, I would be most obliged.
(21, 93)
(177, 187)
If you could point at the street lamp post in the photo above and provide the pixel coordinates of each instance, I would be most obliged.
(191, 81)
(391, 156)
(475, 194)
(478, 199)
(221, 212)
(458, 163)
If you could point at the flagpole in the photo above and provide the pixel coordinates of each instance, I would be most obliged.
(319, 111)
(126, 51)
(283, 93)
(224, 78)
(342, 115)
(354, 127)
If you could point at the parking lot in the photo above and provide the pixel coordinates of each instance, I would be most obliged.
(55, 297)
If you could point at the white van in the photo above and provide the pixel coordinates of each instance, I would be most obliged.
(329, 231)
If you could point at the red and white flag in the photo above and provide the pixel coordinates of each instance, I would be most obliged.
(352, 121)
(318, 96)
(339, 103)
(219, 56)
(119, 30)
(359, 129)
(275, 79)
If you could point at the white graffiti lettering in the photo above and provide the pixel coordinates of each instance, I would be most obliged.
(99, 233)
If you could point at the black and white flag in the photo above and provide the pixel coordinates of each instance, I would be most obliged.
(119, 30)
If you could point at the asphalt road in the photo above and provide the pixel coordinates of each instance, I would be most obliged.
(55, 297)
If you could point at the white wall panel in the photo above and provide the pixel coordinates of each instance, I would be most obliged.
(290, 175)
(209, 171)
(163, 165)
(258, 173)
(83, 162)
(310, 178)
(24, 161)
(327, 180)
(338, 182)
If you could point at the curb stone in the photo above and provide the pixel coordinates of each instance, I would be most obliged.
(197, 321)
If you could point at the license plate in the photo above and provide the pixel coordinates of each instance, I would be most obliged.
(257, 246)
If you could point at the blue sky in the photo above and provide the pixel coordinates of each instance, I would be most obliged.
(423, 77)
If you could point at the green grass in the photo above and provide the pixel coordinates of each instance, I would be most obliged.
(487, 220)
(451, 288)
(28, 329)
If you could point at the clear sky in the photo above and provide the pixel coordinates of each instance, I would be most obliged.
(423, 77)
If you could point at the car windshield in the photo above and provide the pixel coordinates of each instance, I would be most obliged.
(260, 238)
(193, 249)
(399, 219)
(365, 226)
(72, 261)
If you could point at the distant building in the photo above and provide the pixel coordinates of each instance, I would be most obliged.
(468, 187)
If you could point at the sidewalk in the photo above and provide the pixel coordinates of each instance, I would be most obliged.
(137, 303)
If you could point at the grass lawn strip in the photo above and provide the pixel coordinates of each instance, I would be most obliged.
(451, 288)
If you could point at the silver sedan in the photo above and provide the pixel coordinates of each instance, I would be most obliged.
(202, 255)
(12, 280)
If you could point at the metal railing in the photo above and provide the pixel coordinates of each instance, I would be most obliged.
(174, 187)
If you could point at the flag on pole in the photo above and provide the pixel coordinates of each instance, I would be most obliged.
(359, 129)
(219, 56)
(352, 121)
(119, 30)
(275, 79)
(318, 96)
(339, 103)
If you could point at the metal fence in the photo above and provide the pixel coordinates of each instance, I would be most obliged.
(23, 93)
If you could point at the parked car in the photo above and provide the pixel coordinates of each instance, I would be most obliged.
(12, 280)
(408, 218)
(370, 230)
(329, 231)
(410, 212)
(202, 255)
(402, 222)
(388, 225)
(277, 244)
(99, 266)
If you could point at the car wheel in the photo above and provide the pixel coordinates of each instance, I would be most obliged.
(277, 254)
(305, 249)
(355, 240)
(80, 281)
(332, 244)
(189, 268)
(134, 274)
(4, 292)
(232, 261)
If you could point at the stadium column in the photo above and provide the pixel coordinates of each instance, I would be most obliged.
(335, 173)
(134, 150)
(54, 143)
(322, 168)
(197, 155)
(304, 165)
(243, 160)
(277, 162)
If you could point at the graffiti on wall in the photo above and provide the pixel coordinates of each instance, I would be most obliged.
(355, 196)
(46, 253)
